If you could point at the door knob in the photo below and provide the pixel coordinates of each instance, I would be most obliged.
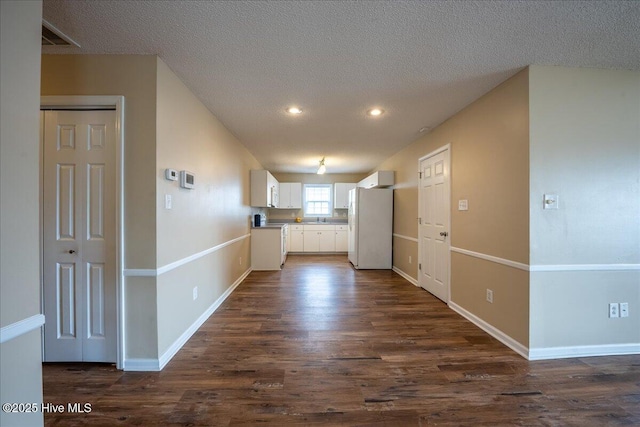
(444, 233)
(71, 251)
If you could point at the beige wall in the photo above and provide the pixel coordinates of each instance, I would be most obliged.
(490, 168)
(312, 178)
(585, 147)
(166, 126)
(134, 77)
(20, 357)
(217, 211)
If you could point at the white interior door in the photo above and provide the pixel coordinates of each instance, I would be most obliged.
(79, 236)
(434, 225)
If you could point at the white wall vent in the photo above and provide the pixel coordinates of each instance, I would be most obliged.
(51, 36)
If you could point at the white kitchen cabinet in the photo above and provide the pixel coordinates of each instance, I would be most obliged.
(341, 194)
(319, 238)
(327, 241)
(268, 248)
(296, 238)
(378, 179)
(342, 238)
(290, 195)
(264, 189)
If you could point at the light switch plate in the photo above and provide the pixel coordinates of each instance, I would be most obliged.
(463, 205)
(550, 201)
(168, 202)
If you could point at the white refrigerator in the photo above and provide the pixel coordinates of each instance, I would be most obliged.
(371, 228)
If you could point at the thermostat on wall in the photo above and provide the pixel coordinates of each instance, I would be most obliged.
(187, 179)
(171, 174)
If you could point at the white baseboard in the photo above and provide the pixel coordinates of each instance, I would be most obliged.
(159, 364)
(491, 330)
(583, 351)
(141, 365)
(405, 276)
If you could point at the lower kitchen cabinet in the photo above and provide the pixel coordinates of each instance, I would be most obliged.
(296, 238)
(319, 238)
(342, 244)
(268, 247)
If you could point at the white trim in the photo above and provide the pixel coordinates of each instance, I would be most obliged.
(183, 261)
(150, 272)
(400, 236)
(433, 153)
(21, 327)
(408, 278)
(548, 267)
(491, 330)
(583, 351)
(140, 272)
(585, 267)
(141, 365)
(117, 101)
(491, 258)
(160, 363)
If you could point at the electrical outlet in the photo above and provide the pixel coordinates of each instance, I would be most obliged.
(624, 309)
(490, 296)
(168, 202)
(240, 260)
(195, 293)
(614, 310)
(409, 259)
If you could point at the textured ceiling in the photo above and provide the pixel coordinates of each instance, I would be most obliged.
(420, 61)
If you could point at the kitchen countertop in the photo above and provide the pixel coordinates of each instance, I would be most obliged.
(312, 223)
(270, 225)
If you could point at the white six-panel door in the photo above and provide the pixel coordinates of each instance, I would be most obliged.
(79, 233)
(433, 232)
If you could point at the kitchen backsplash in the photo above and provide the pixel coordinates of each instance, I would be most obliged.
(289, 215)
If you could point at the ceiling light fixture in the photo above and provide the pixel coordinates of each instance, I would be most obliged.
(375, 112)
(294, 110)
(322, 169)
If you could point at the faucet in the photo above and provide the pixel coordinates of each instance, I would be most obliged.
(317, 219)
(324, 219)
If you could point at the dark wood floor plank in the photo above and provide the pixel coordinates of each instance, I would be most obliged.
(320, 343)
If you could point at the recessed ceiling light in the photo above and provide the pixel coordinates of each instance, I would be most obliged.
(424, 129)
(294, 110)
(375, 112)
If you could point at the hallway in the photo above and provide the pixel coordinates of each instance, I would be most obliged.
(320, 343)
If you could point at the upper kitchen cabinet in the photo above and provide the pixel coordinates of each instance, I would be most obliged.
(380, 179)
(264, 189)
(290, 195)
(341, 194)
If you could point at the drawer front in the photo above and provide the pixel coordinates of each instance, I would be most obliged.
(342, 227)
(296, 227)
(319, 227)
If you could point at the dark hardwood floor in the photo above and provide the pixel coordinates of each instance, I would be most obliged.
(322, 343)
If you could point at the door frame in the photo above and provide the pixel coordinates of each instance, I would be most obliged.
(80, 103)
(445, 148)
